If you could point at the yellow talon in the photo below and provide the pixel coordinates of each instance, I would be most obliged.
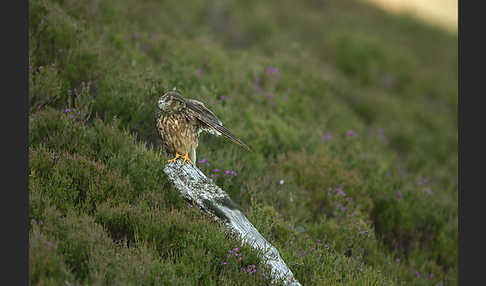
(175, 158)
(186, 158)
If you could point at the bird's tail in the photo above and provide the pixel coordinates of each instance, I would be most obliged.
(227, 133)
(223, 130)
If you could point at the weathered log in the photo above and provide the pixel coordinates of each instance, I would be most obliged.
(194, 186)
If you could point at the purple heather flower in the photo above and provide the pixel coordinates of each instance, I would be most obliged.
(222, 97)
(441, 283)
(431, 276)
(226, 173)
(215, 170)
(340, 192)
(417, 274)
(236, 249)
(318, 241)
(33, 221)
(41, 222)
(326, 246)
(400, 195)
(224, 263)
(212, 175)
(388, 81)
(49, 244)
(381, 133)
(234, 173)
(202, 161)
(273, 71)
(303, 253)
(351, 133)
(67, 110)
(326, 137)
(271, 95)
(145, 47)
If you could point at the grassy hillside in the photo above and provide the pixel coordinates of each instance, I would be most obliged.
(350, 112)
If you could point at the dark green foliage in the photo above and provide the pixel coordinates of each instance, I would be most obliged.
(73, 181)
(372, 202)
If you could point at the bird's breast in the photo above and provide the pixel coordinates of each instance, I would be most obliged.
(179, 132)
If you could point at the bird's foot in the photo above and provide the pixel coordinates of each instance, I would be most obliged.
(177, 156)
(186, 158)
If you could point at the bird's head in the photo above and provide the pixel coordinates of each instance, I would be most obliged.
(171, 102)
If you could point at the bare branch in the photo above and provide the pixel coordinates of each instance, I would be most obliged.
(194, 186)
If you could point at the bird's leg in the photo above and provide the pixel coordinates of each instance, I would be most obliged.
(177, 156)
(186, 158)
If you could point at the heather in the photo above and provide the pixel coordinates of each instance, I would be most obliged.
(350, 114)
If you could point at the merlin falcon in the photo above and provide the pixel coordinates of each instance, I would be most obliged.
(180, 121)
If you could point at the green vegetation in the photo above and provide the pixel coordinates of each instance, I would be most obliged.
(350, 113)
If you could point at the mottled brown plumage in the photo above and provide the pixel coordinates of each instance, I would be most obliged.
(180, 121)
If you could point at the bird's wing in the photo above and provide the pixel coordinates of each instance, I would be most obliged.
(205, 115)
(199, 107)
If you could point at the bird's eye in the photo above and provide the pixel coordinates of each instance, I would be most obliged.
(160, 103)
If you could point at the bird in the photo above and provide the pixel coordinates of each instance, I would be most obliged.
(180, 121)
